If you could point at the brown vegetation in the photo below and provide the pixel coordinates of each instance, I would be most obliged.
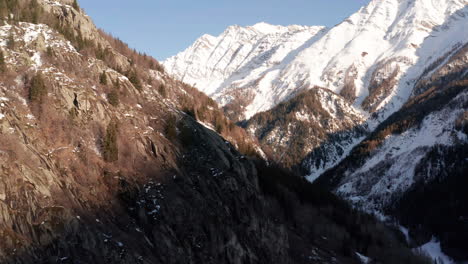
(291, 138)
(70, 203)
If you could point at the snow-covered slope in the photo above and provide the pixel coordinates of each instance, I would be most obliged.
(211, 62)
(372, 58)
(386, 164)
(238, 57)
(392, 169)
(413, 165)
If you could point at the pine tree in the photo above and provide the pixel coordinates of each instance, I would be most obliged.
(171, 128)
(111, 148)
(75, 5)
(33, 13)
(162, 90)
(12, 5)
(117, 84)
(113, 97)
(37, 88)
(103, 78)
(2, 62)
(11, 44)
(133, 77)
(49, 52)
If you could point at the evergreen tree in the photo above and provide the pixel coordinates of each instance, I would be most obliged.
(11, 44)
(162, 90)
(133, 77)
(2, 62)
(171, 128)
(49, 52)
(117, 84)
(100, 53)
(75, 5)
(113, 97)
(37, 88)
(35, 11)
(111, 148)
(103, 78)
(12, 5)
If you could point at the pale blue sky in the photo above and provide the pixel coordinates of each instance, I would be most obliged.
(162, 28)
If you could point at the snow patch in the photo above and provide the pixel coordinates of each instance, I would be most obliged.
(363, 259)
(434, 251)
(36, 58)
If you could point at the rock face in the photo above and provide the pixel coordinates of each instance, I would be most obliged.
(103, 161)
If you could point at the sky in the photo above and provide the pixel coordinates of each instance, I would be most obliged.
(162, 28)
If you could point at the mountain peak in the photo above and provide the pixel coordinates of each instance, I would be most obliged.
(266, 28)
(273, 62)
(236, 51)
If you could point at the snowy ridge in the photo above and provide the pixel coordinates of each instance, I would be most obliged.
(237, 57)
(274, 62)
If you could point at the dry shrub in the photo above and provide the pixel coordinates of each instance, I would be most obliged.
(14, 151)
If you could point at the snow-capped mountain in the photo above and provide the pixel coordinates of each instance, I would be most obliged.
(373, 58)
(220, 66)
